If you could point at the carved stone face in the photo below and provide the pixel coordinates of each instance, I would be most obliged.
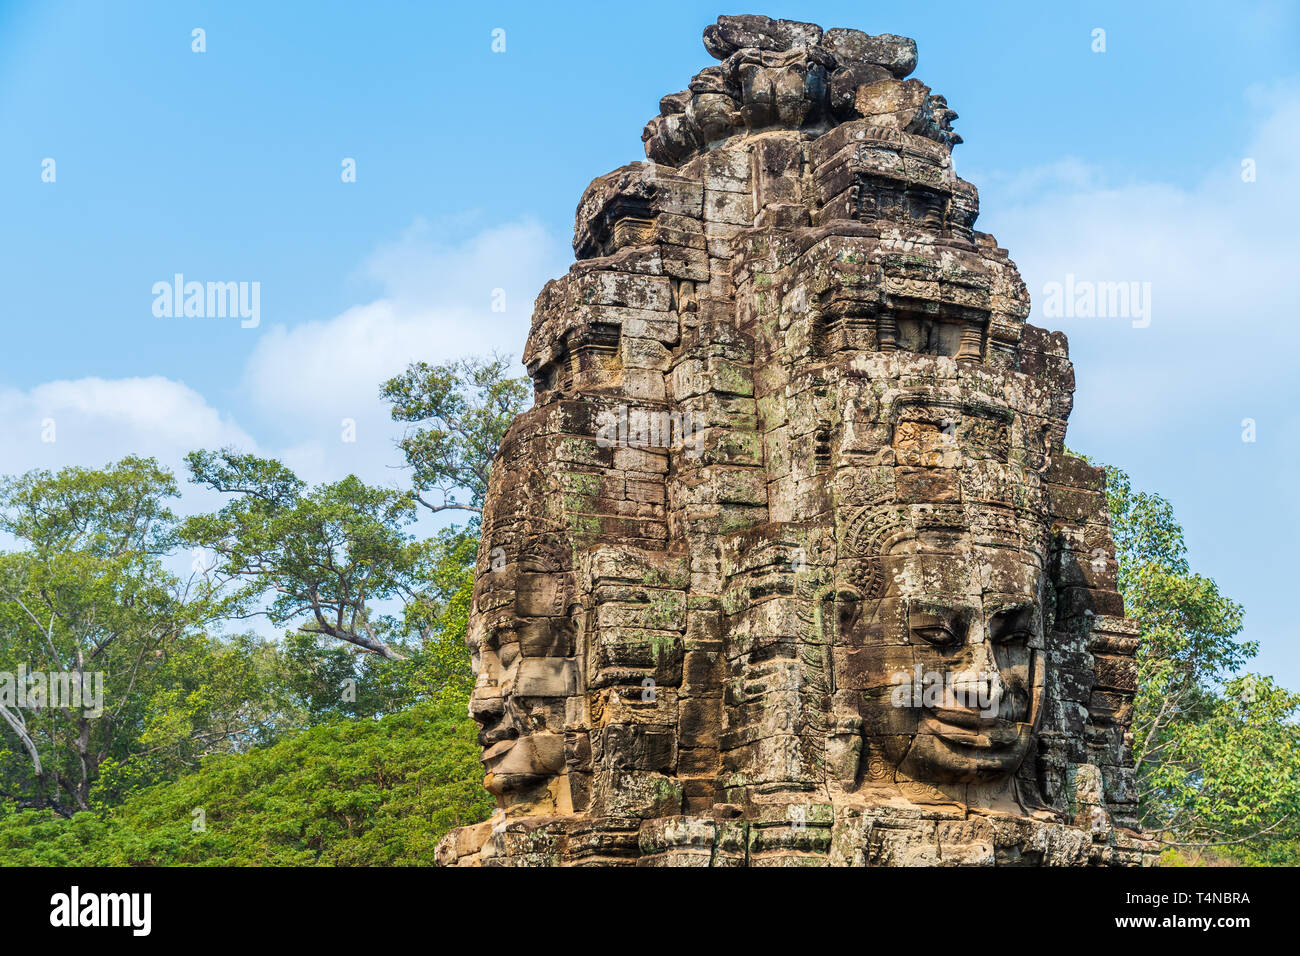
(947, 667)
(834, 597)
(940, 620)
(523, 664)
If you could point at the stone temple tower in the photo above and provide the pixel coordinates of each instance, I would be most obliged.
(788, 564)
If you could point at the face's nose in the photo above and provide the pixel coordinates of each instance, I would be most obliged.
(487, 700)
(979, 683)
(980, 654)
(486, 707)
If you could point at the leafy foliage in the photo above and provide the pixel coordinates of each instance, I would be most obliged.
(1217, 749)
(88, 596)
(345, 742)
(463, 410)
(346, 793)
(439, 662)
(325, 556)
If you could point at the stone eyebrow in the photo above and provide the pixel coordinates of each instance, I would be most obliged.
(944, 612)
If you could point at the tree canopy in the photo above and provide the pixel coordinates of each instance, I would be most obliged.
(1216, 747)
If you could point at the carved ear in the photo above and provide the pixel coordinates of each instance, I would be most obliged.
(838, 611)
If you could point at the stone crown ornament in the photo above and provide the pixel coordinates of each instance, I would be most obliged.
(778, 74)
(788, 564)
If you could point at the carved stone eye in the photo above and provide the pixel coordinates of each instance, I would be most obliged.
(939, 627)
(939, 635)
(842, 611)
(1013, 626)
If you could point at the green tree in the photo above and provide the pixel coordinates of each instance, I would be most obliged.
(457, 413)
(209, 695)
(333, 558)
(87, 602)
(460, 411)
(370, 607)
(345, 793)
(326, 557)
(438, 613)
(1217, 749)
(380, 614)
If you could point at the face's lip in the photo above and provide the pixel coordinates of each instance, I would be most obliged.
(497, 750)
(957, 716)
(968, 728)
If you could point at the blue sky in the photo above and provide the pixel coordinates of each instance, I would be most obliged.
(225, 165)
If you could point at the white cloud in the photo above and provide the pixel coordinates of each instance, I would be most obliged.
(1219, 255)
(93, 421)
(436, 306)
(302, 383)
(1167, 402)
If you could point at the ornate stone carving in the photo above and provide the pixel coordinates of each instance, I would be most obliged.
(852, 603)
